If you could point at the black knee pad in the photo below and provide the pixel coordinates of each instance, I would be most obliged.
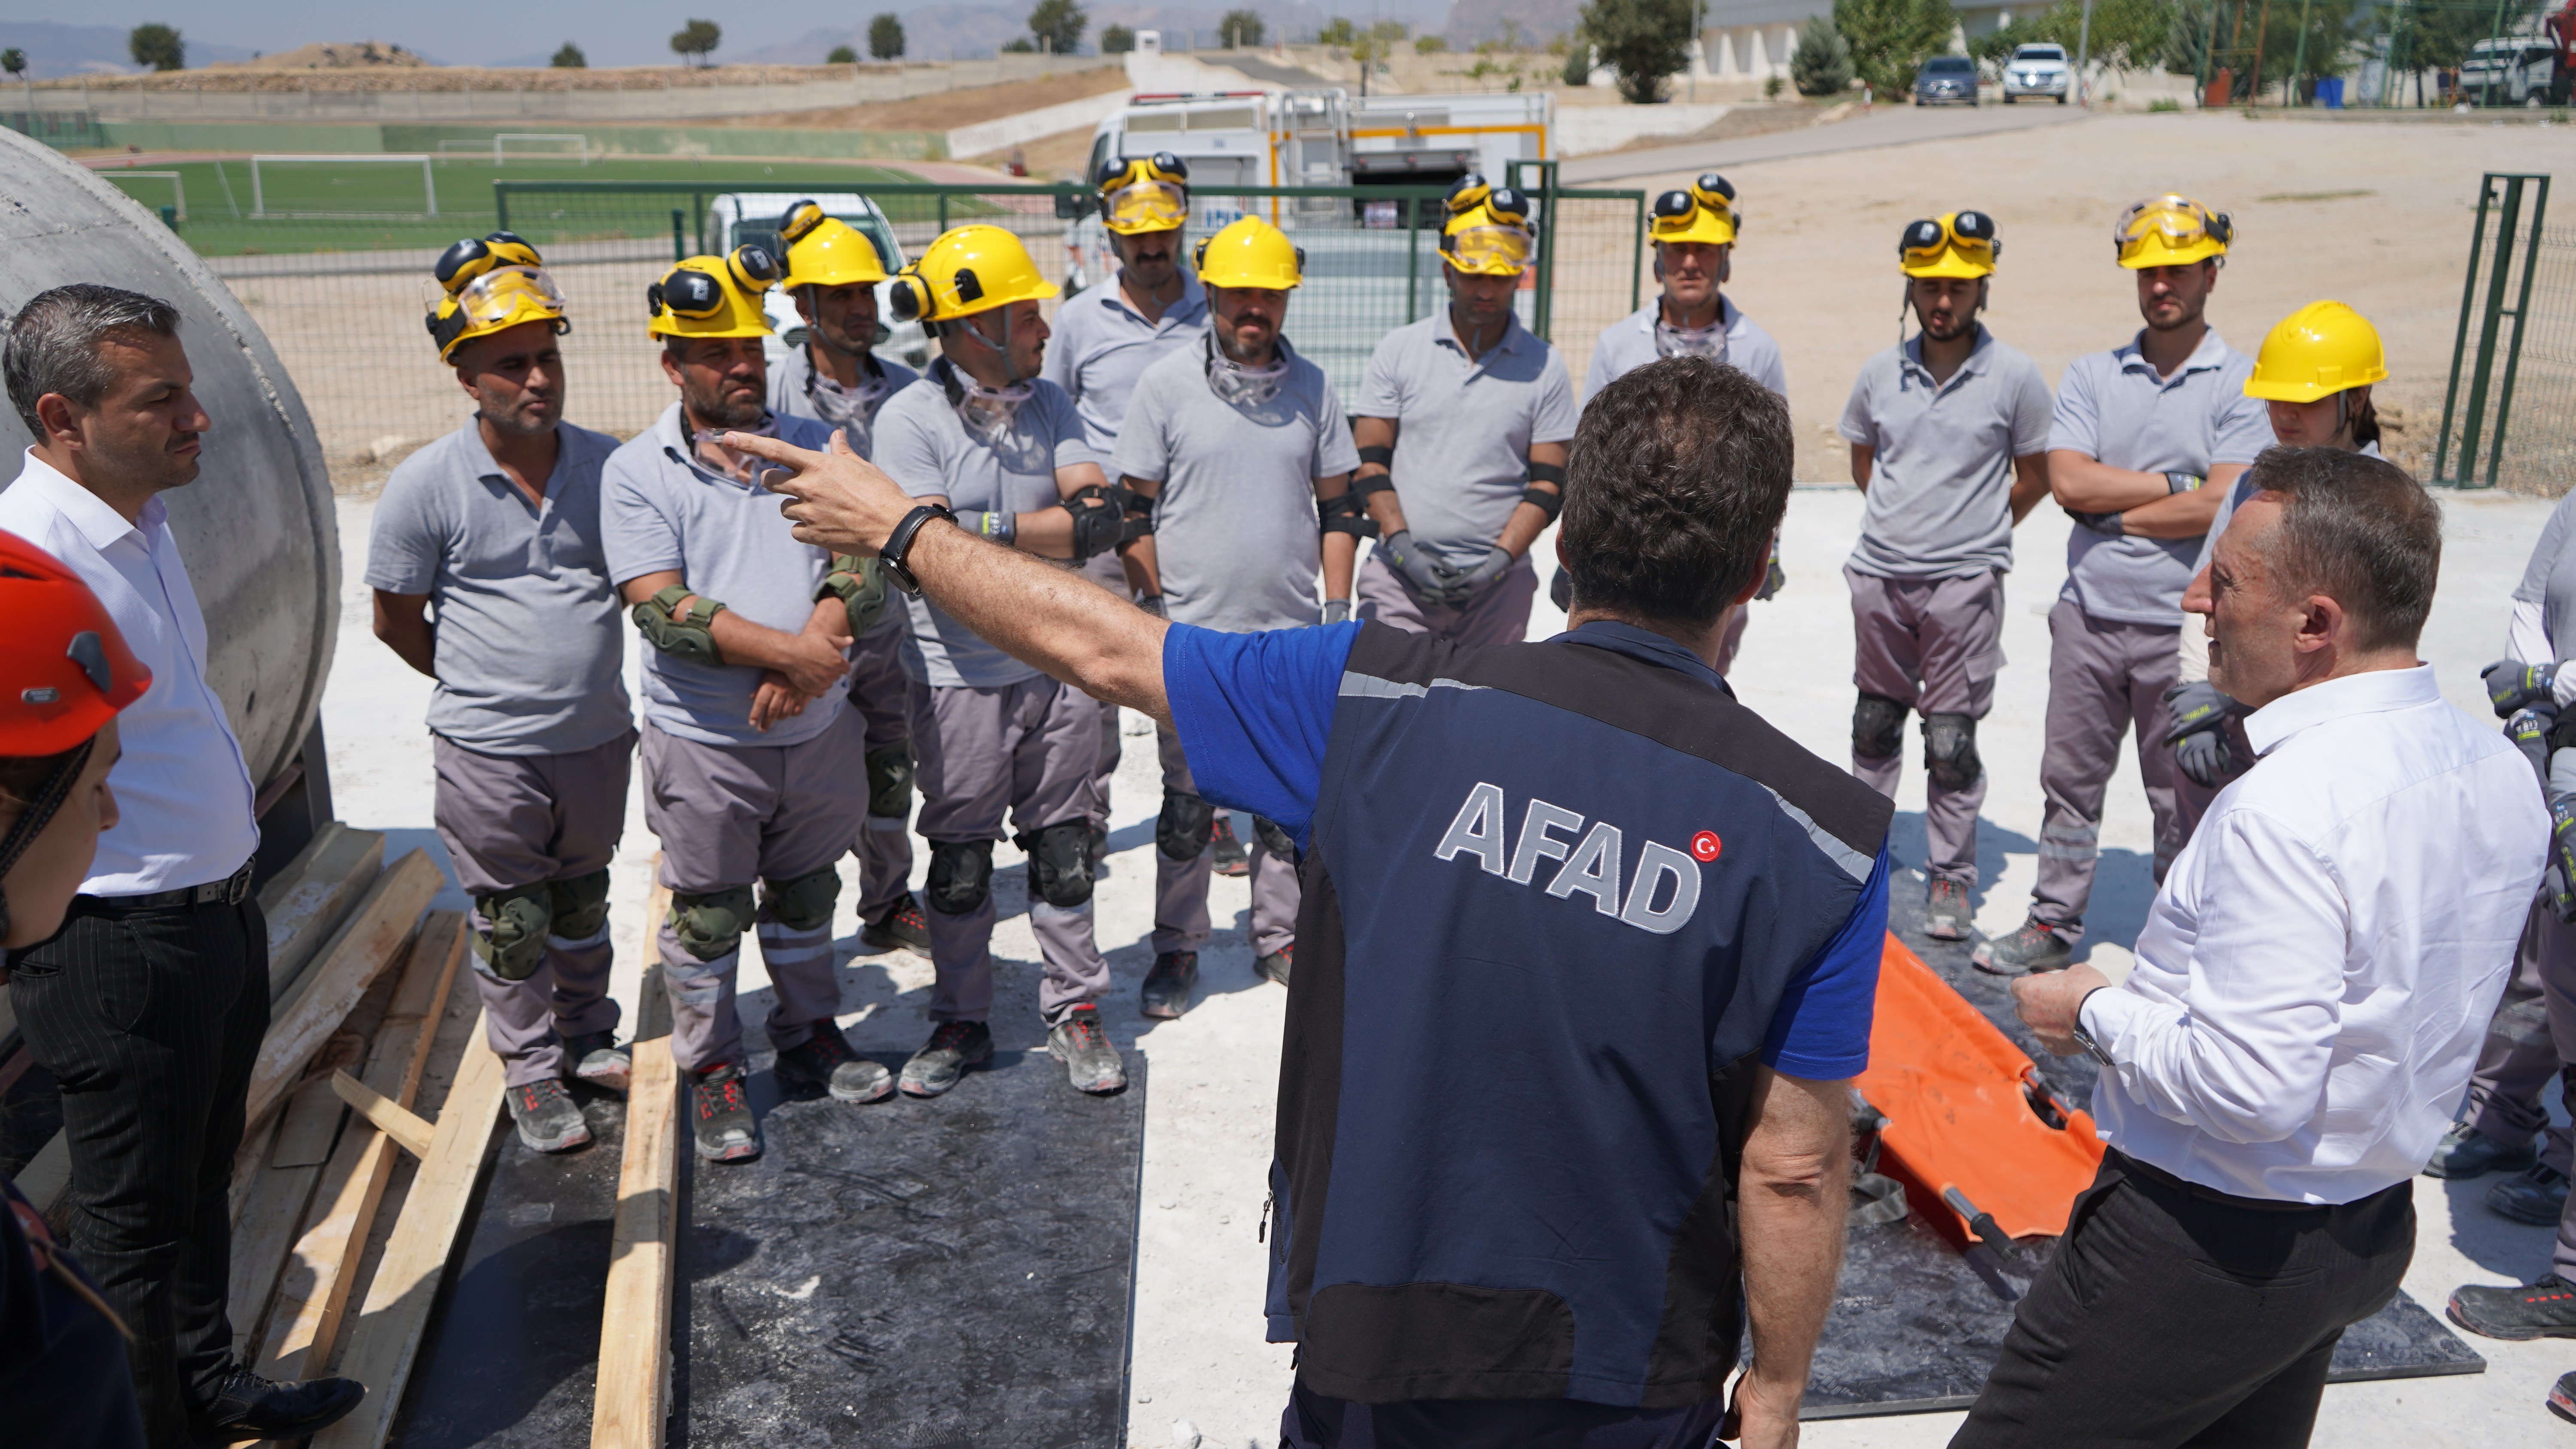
(1060, 862)
(1274, 840)
(580, 905)
(1950, 750)
(805, 903)
(1185, 827)
(961, 876)
(1876, 721)
(890, 781)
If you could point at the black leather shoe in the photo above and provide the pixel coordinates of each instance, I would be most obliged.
(251, 1407)
(2466, 1152)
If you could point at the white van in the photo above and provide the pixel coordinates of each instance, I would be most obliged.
(737, 218)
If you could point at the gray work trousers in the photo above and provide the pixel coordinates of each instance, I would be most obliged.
(2103, 676)
(729, 815)
(2549, 954)
(1028, 750)
(1934, 646)
(1106, 571)
(2522, 1050)
(1181, 886)
(1499, 615)
(520, 820)
(881, 695)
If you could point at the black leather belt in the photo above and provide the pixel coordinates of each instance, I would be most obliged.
(232, 890)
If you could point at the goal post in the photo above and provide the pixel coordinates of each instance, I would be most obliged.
(428, 177)
(178, 185)
(503, 144)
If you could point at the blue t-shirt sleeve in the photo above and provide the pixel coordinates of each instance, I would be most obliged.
(1254, 712)
(1821, 1029)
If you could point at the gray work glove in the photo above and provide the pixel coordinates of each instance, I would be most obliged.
(2529, 730)
(2198, 713)
(1430, 578)
(2511, 684)
(2106, 524)
(1337, 611)
(2558, 882)
(1478, 575)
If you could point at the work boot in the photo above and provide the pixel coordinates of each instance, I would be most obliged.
(899, 926)
(1090, 1062)
(2562, 1397)
(1945, 910)
(1231, 857)
(2465, 1152)
(251, 1407)
(1098, 841)
(2546, 1309)
(727, 1132)
(548, 1119)
(596, 1058)
(1167, 986)
(2032, 948)
(953, 1047)
(2537, 1195)
(1273, 965)
(825, 1060)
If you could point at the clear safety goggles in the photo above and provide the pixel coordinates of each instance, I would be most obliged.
(1971, 234)
(1147, 204)
(496, 296)
(2181, 221)
(1491, 249)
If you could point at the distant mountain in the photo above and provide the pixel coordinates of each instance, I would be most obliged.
(1539, 21)
(54, 49)
(950, 30)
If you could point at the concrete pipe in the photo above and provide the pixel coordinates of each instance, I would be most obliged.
(257, 528)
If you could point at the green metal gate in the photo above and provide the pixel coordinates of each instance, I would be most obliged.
(2509, 411)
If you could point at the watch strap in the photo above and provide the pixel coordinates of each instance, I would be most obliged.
(899, 543)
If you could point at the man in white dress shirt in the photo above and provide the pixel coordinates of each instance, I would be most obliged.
(149, 1004)
(2310, 993)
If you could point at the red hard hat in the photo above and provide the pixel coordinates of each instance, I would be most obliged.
(64, 668)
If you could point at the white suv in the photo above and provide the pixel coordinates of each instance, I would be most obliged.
(2037, 70)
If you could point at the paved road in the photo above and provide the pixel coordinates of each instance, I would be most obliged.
(1888, 126)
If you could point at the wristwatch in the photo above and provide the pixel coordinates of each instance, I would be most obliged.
(899, 543)
(2085, 1039)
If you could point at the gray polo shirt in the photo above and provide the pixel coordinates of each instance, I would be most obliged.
(528, 648)
(1102, 345)
(1464, 427)
(1235, 538)
(923, 445)
(2549, 580)
(1939, 504)
(796, 390)
(1629, 344)
(2112, 407)
(664, 510)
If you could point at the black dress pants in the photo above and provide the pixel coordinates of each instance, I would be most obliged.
(2172, 1315)
(150, 1020)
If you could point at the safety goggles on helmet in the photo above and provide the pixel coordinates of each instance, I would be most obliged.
(470, 258)
(1494, 249)
(1961, 244)
(499, 299)
(2170, 230)
(1151, 194)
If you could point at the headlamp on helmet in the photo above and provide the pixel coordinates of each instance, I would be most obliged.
(2169, 231)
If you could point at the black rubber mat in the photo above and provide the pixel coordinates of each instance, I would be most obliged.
(1915, 1329)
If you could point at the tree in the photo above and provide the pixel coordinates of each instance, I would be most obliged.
(697, 40)
(1019, 45)
(1643, 42)
(1822, 64)
(1239, 30)
(1117, 40)
(157, 47)
(885, 37)
(842, 55)
(1337, 31)
(1430, 44)
(1375, 44)
(1890, 38)
(570, 58)
(14, 61)
(1578, 62)
(1059, 25)
(2133, 33)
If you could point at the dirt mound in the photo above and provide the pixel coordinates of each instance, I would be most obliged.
(331, 55)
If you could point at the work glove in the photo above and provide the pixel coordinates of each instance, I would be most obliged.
(1772, 579)
(1337, 611)
(1478, 575)
(2512, 684)
(1429, 577)
(2558, 882)
(2198, 713)
(2529, 730)
(2106, 524)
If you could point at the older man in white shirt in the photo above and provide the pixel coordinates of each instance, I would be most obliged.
(2311, 989)
(149, 1005)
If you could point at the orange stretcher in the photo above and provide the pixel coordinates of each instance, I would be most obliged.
(1967, 1117)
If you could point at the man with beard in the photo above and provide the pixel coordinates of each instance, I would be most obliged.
(2146, 439)
(754, 766)
(833, 272)
(497, 525)
(1245, 454)
(1949, 438)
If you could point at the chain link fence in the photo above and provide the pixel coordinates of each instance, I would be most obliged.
(2509, 412)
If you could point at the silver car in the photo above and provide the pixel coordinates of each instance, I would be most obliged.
(1946, 80)
(2039, 72)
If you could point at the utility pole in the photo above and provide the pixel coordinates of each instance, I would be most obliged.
(2083, 48)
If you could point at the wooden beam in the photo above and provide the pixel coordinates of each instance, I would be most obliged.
(396, 1121)
(269, 1220)
(365, 947)
(314, 1298)
(633, 1400)
(385, 1341)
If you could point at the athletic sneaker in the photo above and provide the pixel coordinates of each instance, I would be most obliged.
(1090, 1062)
(727, 1132)
(2537, 1195)
(953, 1047)
(548, 1119)
(2032, 948)
(1945, 910)
(2562, 1397)
(1231, 857)
(825, 1060)
(596, 1058)
(900, 926)
(247, 1406)
(2465, 1152)
(2546, 1309)
(1273, 965)
(1168, 985)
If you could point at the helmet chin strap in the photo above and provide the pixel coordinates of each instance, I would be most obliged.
(1011, 375)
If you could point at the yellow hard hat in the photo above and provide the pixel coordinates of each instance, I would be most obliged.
(1703, 212)
(1148, 194)
(2171, 230)
(1488, 229)
(1251, 253)
(2316, 352)
(1959, 244)
(487, 285)
(970, 269)
(824, 251)
(713, 296)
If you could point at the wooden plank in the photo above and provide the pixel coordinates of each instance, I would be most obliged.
(366, 946)
(314, 1297)
(385, 1341)
(633, 1400)
(409, 1132)
(310, 899)
(267, 1230)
